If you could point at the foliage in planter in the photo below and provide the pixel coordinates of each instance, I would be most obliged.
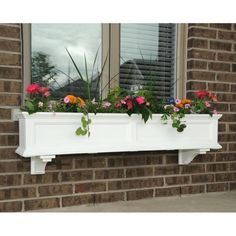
(120, 101)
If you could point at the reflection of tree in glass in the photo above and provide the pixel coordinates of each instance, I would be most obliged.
(43, 71)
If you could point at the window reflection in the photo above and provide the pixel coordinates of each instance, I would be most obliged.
(51, 63)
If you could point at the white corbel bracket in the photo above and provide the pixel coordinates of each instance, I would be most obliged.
(186, 156)
(38, 164)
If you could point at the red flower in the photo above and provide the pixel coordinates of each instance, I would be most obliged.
(140, 100)
(45, 91)
(33, 89)
(202, 94)
(129, 102)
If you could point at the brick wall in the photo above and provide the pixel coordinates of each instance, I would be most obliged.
(71, 180)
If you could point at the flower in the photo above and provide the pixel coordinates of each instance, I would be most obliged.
(213, 97)
(171, 100)
(186, 106)
(177, 101)
(81, 102)
(70, 99)
(33, 89)
(215, 112)
(40, 104)
(186, 101)
(176, 109)
(106, 104)
(44, 91)
(128, 101)
(140, 100)
(207, 104)
(47, 94)
(202, 94)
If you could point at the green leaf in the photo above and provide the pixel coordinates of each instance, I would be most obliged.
(81, 132)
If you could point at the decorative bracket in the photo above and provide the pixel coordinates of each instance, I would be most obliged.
(186, 156)
(38, 164)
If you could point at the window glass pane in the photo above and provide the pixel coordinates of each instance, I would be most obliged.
(148, 58)
(51, 63)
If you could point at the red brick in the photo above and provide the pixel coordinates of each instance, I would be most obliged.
(203, 178)
(52, 190)
(78, 200)
(137, 183)
(221, 26)
(7, 153)
(223, 177)
(221, 127)
(177, 180)
(201, 75)
(216, 167)
(109, 197)
(226, 97)
(216, 66)
(218, 87)
(232, 127)
(202, 33)
(226, 35)
(9, 32)
(233, 88)
(10, 86)
(10, 99)
(167, 170)
(10, 73)
(139, 172)
(225, 157)
(233, 107)
(77, 175)
(232, 147)
(47, 178)
(232, 186)
(226, 57)
(171, 159)
(195, 85)
(10, 59)
(198, 24)
(60, 163)
(15, 193)
(227, 137)
(109, 174)
(10, 206)
(219, 187)
(90, 163)
(200, 54)
(139, 194)
(10, 45)
(195, 189)
(194, 64)
(90, 187)
(192, 168)
(14, 166)
(204, 158)
(38, 204)
(232, 166)
(219, 45)
(233, 67)
(226, 77)
(9, 140)
(8, 127)
(166, 192)
(10, 180)
(228, 117)
(197, 43)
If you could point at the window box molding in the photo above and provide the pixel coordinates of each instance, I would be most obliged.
(44, 135)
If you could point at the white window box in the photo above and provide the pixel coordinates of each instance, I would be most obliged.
(44, 135)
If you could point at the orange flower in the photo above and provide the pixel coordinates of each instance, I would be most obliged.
(70, 99)
(186, 101)
(180, 105)
(81, 102)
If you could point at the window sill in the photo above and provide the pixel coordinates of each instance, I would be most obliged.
(45, 135)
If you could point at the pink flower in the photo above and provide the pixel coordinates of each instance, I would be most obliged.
(215, 112)
(47, 94)
(186, 106)
(33, 89)
(66, 100)
(140, 100)
(177, 101)
(207, 104)
(106, 104)
(176, 109)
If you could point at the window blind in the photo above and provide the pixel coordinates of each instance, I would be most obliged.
(148, 57)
